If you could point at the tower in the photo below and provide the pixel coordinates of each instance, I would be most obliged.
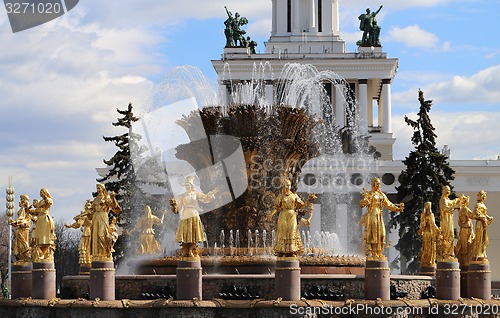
(308, 32)
(307, 26)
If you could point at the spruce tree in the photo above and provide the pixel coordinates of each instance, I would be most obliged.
(121, 179)
(426, 172)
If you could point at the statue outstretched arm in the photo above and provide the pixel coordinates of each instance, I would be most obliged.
(309, 205)
(380, 8)
(273, 212)
(115, 207)
(207, 198)
(393, 207)
(365, 201)
(75, 225)
(298, 201)
(173, 205)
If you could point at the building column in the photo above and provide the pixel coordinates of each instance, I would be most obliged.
(274, 17)
(335, 20)
(312, 16)
(363, 103)
(370, 113)
(296, 17)
(386, 105)
(339, 105)
(268, 91)
(380, 112)
(225, 87)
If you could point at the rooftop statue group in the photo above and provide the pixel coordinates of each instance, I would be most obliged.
(371, 30)
(235, 36)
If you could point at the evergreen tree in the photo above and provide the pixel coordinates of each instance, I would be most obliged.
(426, 172)
(121, 179)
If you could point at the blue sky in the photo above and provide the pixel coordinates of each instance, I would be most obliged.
(62, 82)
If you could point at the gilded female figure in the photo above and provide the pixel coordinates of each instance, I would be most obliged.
(22, 224)
(102, 235)
(483, 220)
(288, 242)
(43, 237)
(374, 234)
(147, 241)
(84, 221)
(190, 230)
(429, 232)
(447, 208)
(463, 249)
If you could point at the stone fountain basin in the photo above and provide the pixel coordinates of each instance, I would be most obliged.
(133, 286)
(244, 264)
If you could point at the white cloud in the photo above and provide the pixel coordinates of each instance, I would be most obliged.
(413, 36)
(479, 88)
(261, 28)
(61, 83)
(397, 4)
(468, 134)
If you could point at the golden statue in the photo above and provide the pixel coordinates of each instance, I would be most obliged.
(429, 232)
(43, 235)
(84, 221)
(147, 241)
(374, 234)
(288, 204)
(463, 249)
(190, 230)
(482, 221)
(22, 224)
(447, 208)
(113, 233)
(103, 238)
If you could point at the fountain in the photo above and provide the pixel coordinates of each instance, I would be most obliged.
(276, 142)
(237, 263)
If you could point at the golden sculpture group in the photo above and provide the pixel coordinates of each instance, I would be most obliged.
(41, 246)
(98, 233)
(438, 243)
(472, 245)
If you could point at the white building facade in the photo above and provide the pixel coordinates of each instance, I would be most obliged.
(308, 32)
